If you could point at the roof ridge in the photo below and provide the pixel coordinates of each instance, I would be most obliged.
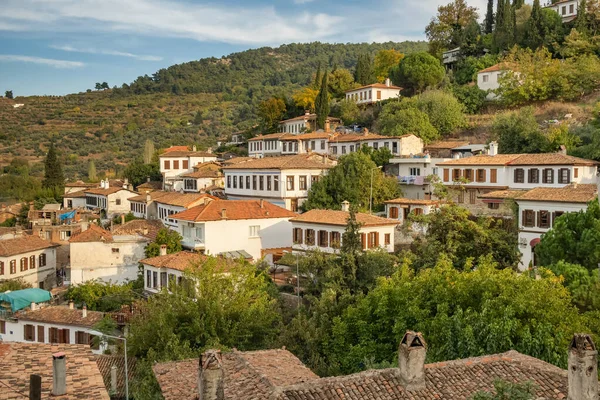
(262, 377)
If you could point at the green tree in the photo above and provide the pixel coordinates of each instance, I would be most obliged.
(534, 30)
(488, 24)
(270, 112)
(363, 74)
(92, 176)
(340, 80)
(468, 67)
(418, 71)
(397, 119)
(98, 86)
(13, 284)
(305, 98)
(577, 44)
(316, 84)
(385, 60)
(137, 172)
(505, 390)
(167, 237)
(105, 85)
(518, 132)
(349, 111)
(148, 151)
(445, 112)
(445, 28)
(53, 173)
(470, 43)
(322, 102)
(583, 284)
(380, 157)
(102, 296)
(470, 96)
(503, 36)
(351, 243)
(9, 94)
(581, 21)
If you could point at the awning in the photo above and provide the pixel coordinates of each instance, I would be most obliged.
(20, 299)
(534, 242)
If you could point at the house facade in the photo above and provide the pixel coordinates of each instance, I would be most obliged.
(374, 93)
(400, 209)
(75, 200)
(307, 123)
(283, 181)
(251, 226)
(405, 145)
(110, 200)
(488, 80)
(173, 203)
(567, 9)
(205, 175)
(323, 230)
(144, 205)
(30, 258)
(178, 160)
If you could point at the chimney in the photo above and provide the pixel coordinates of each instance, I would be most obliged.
(148, 197)
(210, 376)
(306, 113)
(262, 205)
(493, 150)
(125, 183)
(163, 249)
(145, 231)
(562, 149)
(33, 306)
(106, 183)
(113, 379)
(194, 148)
(388, 83)
(122, 219)
(59, 374)
(223, 213)
(411, 361)
(71, 305)
(345, 205)
(583, 368)
(35, 387)
(84, 311)
(148, 179)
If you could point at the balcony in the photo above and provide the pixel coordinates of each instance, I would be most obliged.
(413, 180)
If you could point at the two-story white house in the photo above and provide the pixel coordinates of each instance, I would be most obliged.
(54, 325)
(75, 200)
(178, 160)
(30, 258)
(173, 203)
(488, 80)
(373, 93)
(145, 206)
(266, 145)
(404, 145)
(567, 9)
(110, 200)
(307, 123)
(251, 226)
(205, 175)
(283, 181)
(324, 230)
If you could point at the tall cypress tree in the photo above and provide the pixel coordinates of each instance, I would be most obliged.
(318, 77)
(322, 102)
(510, 19)
(53, 174)
(518, 4)
(92, 175)
(488, 25)
(498, 35)
(534, 29)
(363, 73)
(581, 23)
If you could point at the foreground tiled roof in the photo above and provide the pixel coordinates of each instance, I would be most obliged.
(73, 195)
(142, 227)
(106, 362)
(450, 380)
(234, 210)
(180, 261)
(251, 375)
(62, 315)
(573, 193)
(521, 159)
(183, 199)
(503, 194)
(94, 233)
(23, 244)
(300, 161)
(335, 217)
(20, 360)
(445, 144)
(205, 170)
(420, 202)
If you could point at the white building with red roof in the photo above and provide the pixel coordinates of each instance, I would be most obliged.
(109, 200)
(307, 122)
(373, 93)
(567, 9)
(178, 160)
(488, 79)
(30, 258)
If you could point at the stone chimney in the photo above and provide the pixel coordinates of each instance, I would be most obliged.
(583, 370)
(411, 361)
(122, 219)
(84, 311)
(210, 376)
(262, 204)
(493, 150)
(59, 374)
(223, 213)
(194, 148)
(71, 305)
(33, 307)
(125, 183)
(345, 205)
(388, 82)
(163, 249)
(562, 149)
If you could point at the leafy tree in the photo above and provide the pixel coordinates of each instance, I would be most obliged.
(470, 43)
(137, 172)
(92, 176)
(508, 390)
(590, 142)
(53, 174)
(418, 71)
(385, 60)
(488, 24)
(198, 119)
(148, 151)
(13, 284)
(396, 119)
(573, 238)
(349, 111)
(503, 36)
(534, 31)
(577, 77)
(445, 112)
(167, 237)
(577, 44)
(470, 96)
(468, 67)
(444, 30)
(363, 74)
(102, 296)
(518, 132)
(104, 85)
(583, 284)
(581, 21)
(9, 94)
(305, 98)
(380, 157)
(340, 80)
(350, 180)
(98, 86)
(270, 113)
(322, 102)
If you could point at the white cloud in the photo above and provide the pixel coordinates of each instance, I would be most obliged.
(45, 61)
(106, 52)
(303, 1)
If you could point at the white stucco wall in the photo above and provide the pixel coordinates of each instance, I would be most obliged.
(76, 202)
(369, 95)
(31, 276)
(491, 83)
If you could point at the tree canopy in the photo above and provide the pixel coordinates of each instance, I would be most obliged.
(417, 72)
(53, 174)
(167, 237)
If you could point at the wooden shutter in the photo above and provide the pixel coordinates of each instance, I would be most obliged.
(446, 174)
(523, 214)
(575, 172)
(376, 239)
(64, 336)
(363, 240)
(40, 334)
(53, 333)
(484, 176)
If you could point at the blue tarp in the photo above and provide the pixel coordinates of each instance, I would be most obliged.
(69, 215)
(20, 299)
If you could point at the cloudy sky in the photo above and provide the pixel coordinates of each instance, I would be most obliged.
(65, 46)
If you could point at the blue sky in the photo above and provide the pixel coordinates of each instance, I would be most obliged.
(65, 46)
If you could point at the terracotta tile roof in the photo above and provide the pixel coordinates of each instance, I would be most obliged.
(308, 117)
(153, 196)
(357, 137)
(496, 67)
(503, 194)
(62, 315)
(336, 217)
(234, 210)
(176, 148)
(482, 159)
(75, 195)
(270, 136)
(19, 360)
(94, 233)
(80, 184)
(573, 193)
(105, 363)
(23, 244)
(300, 161)
(205, 170)
(237, 160)
(376, 86)
(188, 153)
(142, 227)
(521, 159)
(309, 136)
(420, 202)
(445, 144)
(249, 375)
(186, 200)
(155, 185)
(459, 379)
(183, 260)
(109, 190)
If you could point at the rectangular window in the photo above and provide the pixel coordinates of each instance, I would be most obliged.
(469, 175)
(379, 95)
(548, 176)
(13, 266)
(322, 145)
(261, 182)
(175, 164)
(571, 8)
(53, 335)
(1, 268)
(493, 175)
(493, 206)
(564, 10)
(351, 148)
(343, 149)
(373, 239)
(115, 250)
(323, 238)
(528, 218)
(335, 240)
(186, 164)
(375, 145)
(543, 219)
(564, 175)
(167, 164)
(333, 149)
(29, 333)
(31, 262)
(82, 337)
(235, 182)
(302, 182)
(241, 182)
(148, 278)
(472, 196)
(254, 182)
(269, 183)
(415, 171)
(229, 181)
(519, 175)
(290, 182)
(154, 279)
(456, 174)
(2, 327)
(24, 263)
(276, 183)
(388, 239)
(461, 197)
(393, 212)
(313, 145)
(533, 175)
(254, 230)
(481, 175)
(310, 237)
(297, 236)
(163, 280)
(248, 182)
(485, 78)
(575, 172)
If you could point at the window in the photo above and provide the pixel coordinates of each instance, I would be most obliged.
(148, 278)
(335, 240)
(351, 148)
(415, 171)
(485, 78)
(175, 164)
(575, 172)
(455, 174)
(253, 182)
(333, 149)
(167, 164)
(261, 182)
(154, 279)
(297, 235)
(163, 280)
(555, 215)
(373, 239)
(543, 219)
(461, 197)
(24, 264)
(388, 239)
(313, 145)
(493, 206)
(379, 95)
(302, 184)
(248, 182)
(375, 145)
(254, 230)
(394, 212)
(13, 266)
(290, 182)
(29, 333)
(571, 8)
(115, 250)
(370, 92)
(310, 237)
(548, 175)
(322, 145)
(519, 175)
(323, 239)
(528, 218)
(269, 178)
(241, 182)
(564, 175)
(1, 268)
(229, 181)
(343, 149)
(276, 183)
(82, 337)
(472, 196)
(235, 182)
(493, 175)
(469, 175)
(564, 10)
(481, 175)
(446, 174)
(2, 327)
(363, 241)
(386, 145)
(533, 175)
(185, 164)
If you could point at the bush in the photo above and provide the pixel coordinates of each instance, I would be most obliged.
(470, 96)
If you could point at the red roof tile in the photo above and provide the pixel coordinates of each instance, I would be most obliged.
(300, 161)
(62, 315)
(183, 260)
(336, 217)
(234, 210)
(184, 199)
(94, 233)
(142, 227)
(23, 244)
(574, 193)
(376, 86)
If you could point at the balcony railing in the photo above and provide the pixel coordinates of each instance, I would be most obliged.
(413, 180)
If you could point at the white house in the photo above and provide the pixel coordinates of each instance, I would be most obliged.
(29, 258)
(74, 200)
(374, 93)
(266, 145)
(413, 173)
(110, 200)
(307, 123)
(173, 203)
(253, 226)
(567, 9)
(539, 208)
(283, 181)
(55, 325)
(177, 160)
(205, 175)
(323, 230)
(144, 205)
(404, 145)
(488, 80)
(78, 186)
(99, 254)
